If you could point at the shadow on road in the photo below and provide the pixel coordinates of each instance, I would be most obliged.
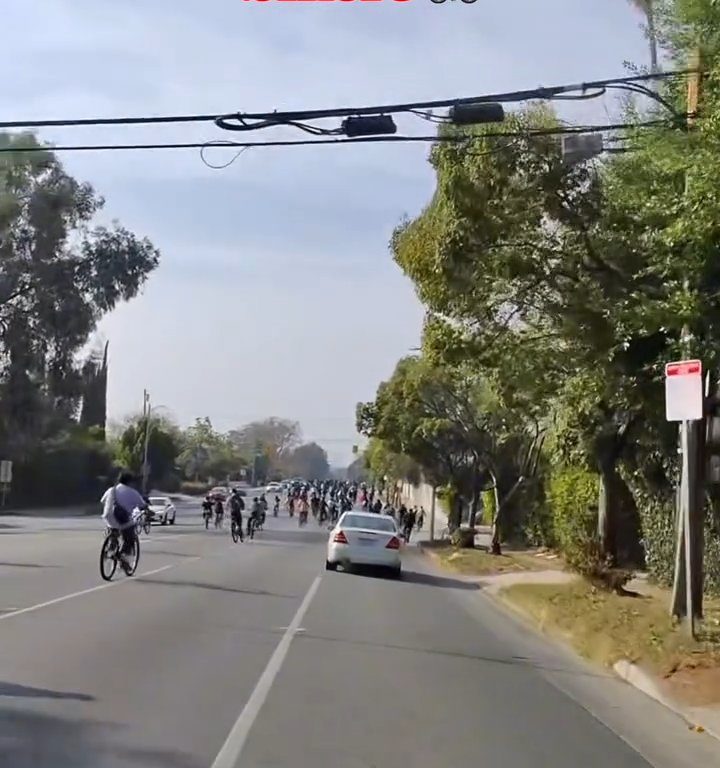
(213, 587)
(34, 740)
(164, 552)
(26, 691)
(28, 565)
(418, 577)
(513, 661)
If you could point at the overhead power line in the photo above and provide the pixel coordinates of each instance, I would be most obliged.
(222, 144)
(238, 121)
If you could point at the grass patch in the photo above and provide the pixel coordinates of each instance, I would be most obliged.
(605, 627)
(478, 562)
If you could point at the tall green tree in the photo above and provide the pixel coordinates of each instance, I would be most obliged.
(93, 411)
(59, 273)
(308, 460)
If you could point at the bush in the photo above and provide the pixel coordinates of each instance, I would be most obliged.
(192, 488)
(488, 507)
(71, 472)
(572, 497)
(463, 538)
(170, 483)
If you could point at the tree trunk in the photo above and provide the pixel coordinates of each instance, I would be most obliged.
(619, 527)
(476, 496)
(495, 546)
(652, 39)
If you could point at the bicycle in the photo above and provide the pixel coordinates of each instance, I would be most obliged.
(251, 527)
(218, 520)
(142, 523)
(235, 530)
(110, 554)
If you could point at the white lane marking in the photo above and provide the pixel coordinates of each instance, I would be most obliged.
(232, 748)
(82, 592)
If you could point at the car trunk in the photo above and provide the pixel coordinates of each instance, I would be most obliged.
(367, 537)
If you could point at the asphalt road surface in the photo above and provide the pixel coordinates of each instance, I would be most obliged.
(218, 655)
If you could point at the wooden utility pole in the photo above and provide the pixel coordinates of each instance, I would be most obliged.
(147, 410)
(687, 597)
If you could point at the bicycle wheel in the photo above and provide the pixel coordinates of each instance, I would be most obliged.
(234, 532)
(108, 557)
(146, 526)
(134, 558)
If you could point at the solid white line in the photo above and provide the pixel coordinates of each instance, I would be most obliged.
(232, 748)
(82, 592)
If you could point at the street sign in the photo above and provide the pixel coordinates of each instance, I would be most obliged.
(683, 391)
(5, 471)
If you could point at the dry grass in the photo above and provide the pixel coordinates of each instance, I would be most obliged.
(605, 627)
(478, 562)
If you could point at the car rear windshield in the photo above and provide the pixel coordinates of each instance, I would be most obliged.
(374, 523)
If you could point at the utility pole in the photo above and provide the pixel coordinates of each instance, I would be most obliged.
(687, 597)
(147, 410)
(432, 512)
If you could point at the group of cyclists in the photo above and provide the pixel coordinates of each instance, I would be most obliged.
(214, 505)
(325, 499)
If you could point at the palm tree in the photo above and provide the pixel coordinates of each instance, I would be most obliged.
(646, 7)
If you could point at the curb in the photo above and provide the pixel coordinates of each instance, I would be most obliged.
(638, 678)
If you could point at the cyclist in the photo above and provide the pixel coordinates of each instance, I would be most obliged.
(276, 506)
(119, 503)
(253, 517)
(237, 505)
(219, 511)
(263, 510)
(207, 508)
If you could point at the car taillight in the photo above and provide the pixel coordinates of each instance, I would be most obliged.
(340, 538)
(394, 543)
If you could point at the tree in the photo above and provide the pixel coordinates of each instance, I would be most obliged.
(207, 454)
(58, 275)
(449, 420)
(539, 269)
(309, 460)
(272, 437)
(93, 411)
(164, 446)
(646, 7)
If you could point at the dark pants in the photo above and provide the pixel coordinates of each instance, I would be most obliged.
(127, 530)
(237, 519)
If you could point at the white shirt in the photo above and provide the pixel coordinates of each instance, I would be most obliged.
(124, 496)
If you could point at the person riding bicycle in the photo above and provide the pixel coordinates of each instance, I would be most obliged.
(276, 505)
(219, 511)
(254, 517)
(237, 505)
(119, 502)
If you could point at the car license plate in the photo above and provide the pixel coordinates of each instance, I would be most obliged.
(366, 542)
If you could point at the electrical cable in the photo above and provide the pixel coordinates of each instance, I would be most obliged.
(239, 121)
(459, 138)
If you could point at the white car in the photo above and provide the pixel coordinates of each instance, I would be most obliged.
(364, 538)
(274, 488)
(163, 510)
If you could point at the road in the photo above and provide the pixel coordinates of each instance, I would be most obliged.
(218, 655)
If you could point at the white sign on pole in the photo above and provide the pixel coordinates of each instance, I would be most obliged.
(5, 471)
(683, 391)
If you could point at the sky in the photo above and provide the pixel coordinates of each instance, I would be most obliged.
(276, 293)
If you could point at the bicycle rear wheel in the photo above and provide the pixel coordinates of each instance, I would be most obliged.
(146, 526)
(134, 558)
(108, 557)
(234, 532)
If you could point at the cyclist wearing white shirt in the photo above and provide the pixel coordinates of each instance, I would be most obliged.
(119, 502)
